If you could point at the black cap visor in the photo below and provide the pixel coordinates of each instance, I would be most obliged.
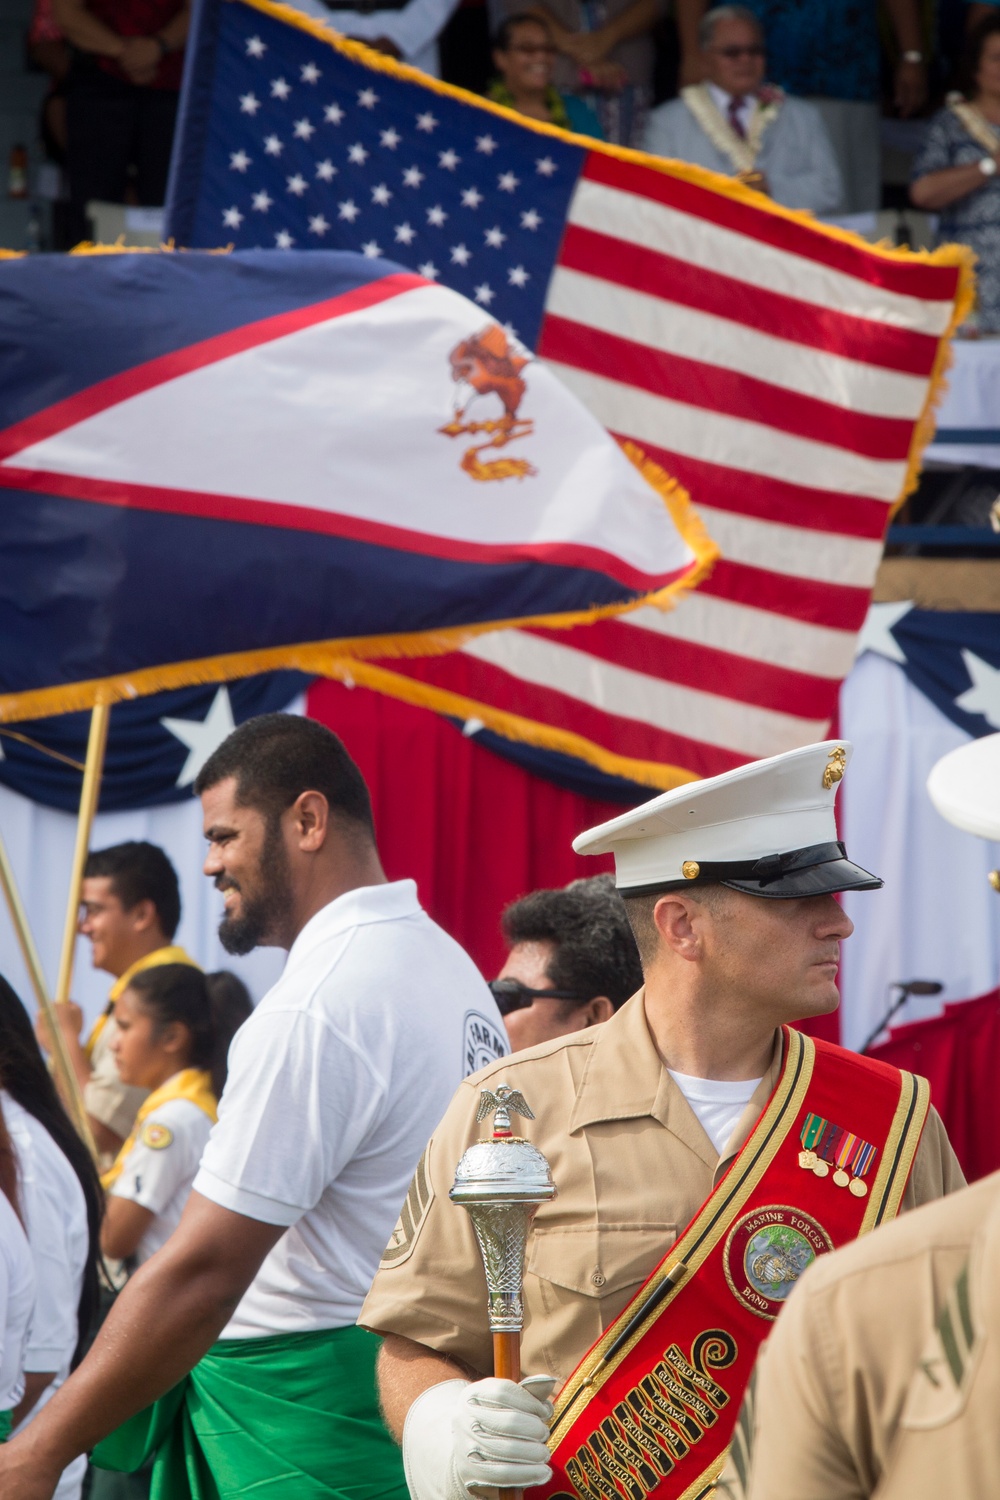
(819, 870)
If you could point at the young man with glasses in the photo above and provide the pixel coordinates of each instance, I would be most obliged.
(735, 123)
(572, 961)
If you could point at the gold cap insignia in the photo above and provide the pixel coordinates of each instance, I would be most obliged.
(690, 869)
(834, 772)
(158, 1137)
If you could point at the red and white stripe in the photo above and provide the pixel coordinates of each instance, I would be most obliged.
(778, 372)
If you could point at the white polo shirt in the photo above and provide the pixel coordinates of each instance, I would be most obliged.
(336, 1083)
(161, 1166)
(17, 1301)
(55, 1217)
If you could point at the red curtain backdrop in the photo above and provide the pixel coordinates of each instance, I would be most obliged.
(474, 831)
(959, 1053)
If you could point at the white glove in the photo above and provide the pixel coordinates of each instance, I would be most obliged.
(463, 1438)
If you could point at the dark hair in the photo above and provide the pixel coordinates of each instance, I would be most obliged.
(276, 757)
(504, 32)
(595, 952)
(28, 1082)
(972, 52)
(139, 872)
(213, 1007)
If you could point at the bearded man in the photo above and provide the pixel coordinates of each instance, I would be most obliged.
(247, 1316)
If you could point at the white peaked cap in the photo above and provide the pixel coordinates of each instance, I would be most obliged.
(776, 813)
(965, 786)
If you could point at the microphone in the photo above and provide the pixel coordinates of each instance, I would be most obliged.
(906, 988)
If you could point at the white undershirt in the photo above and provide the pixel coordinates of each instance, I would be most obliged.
(717, 1105)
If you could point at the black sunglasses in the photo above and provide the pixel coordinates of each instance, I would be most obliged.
(511, 994)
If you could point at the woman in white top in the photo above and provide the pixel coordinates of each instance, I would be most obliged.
(17, 1287)
(174, 1026)
(61, 1203)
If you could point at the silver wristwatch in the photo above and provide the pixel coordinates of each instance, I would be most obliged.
(987, 165)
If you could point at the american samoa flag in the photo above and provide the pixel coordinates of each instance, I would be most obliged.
(781, 370)
(215, 465)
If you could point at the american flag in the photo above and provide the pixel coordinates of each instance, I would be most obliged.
(781, 371)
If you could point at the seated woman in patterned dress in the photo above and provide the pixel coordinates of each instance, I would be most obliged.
(956, 173)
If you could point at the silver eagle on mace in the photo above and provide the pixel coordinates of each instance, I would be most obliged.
(502, 1182)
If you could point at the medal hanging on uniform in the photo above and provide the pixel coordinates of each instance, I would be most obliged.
(826, 1146)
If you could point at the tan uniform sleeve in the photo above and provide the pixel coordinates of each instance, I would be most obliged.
(430, 1286)
(789, 1442)
(113, 1103)
(936, 1171)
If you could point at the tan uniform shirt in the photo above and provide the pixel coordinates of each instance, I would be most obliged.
(632, 1166)
(832, 1381)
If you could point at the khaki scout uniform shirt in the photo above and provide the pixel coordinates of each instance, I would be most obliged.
(833, 1380)
(632, 1166)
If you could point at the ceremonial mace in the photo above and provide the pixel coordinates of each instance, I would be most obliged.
(502, 1181)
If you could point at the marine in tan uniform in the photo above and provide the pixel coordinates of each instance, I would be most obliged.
(882, 1375)
(626, 1112)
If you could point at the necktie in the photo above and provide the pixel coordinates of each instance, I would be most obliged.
(735, 105)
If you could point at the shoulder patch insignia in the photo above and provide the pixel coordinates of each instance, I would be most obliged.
(414, 1212)
(941, 1382)
(482, 1042)
(157, 1137)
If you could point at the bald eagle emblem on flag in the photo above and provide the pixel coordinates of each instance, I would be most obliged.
(489, 367)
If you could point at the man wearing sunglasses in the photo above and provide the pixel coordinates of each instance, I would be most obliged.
(735, 123)
(572, 961)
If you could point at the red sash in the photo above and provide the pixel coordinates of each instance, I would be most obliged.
(650, 1410)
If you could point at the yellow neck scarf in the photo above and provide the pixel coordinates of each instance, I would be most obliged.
(171, 954)
(191, 1083)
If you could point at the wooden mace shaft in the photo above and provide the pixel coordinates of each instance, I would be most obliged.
(507, 1366)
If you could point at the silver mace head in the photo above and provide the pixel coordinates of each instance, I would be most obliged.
(502, 1181)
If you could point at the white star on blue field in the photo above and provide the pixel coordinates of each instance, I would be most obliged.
(308, 149)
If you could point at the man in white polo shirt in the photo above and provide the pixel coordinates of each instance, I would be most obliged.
(335, 1083)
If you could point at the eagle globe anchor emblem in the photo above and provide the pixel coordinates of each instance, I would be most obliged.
(487, 364)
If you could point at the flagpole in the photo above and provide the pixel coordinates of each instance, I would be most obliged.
(97, 742)
(22, 931)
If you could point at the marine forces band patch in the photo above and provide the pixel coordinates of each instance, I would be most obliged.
(157, 1137)
(766, 1253)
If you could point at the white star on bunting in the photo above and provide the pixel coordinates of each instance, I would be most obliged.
(472, 197)
(486, 144)
(405, 234)
(507, 182)
(381, 194)
(495, 237)
(238, 161)
(367, 98)
(876, 633)
(348, 210)
(202, 739)
(460, 255)
(530, 219)
(436, 216)
(283, 240)
(449, 159)
(309, 73)
(518, 276)
(428, 270)
(372, 250)
(318, 224)
(297, 184)
(426, 122)
(262, 201)
(390, 138)
(249, 104)
(280, 88)
(357, 154)
(326, 171)
(485, 294)
(412, 177)
(273, 146)
(333, 114)
(545, 165)
(983, 697)
(255, 46)
(303, 129)
(232, 218)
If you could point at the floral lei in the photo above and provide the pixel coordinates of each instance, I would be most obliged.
(742, 153)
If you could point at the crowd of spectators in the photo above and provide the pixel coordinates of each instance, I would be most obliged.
(788, 96)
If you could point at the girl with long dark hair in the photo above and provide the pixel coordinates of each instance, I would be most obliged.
(60, 1206)
(174, 1026)
(17, 1286)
